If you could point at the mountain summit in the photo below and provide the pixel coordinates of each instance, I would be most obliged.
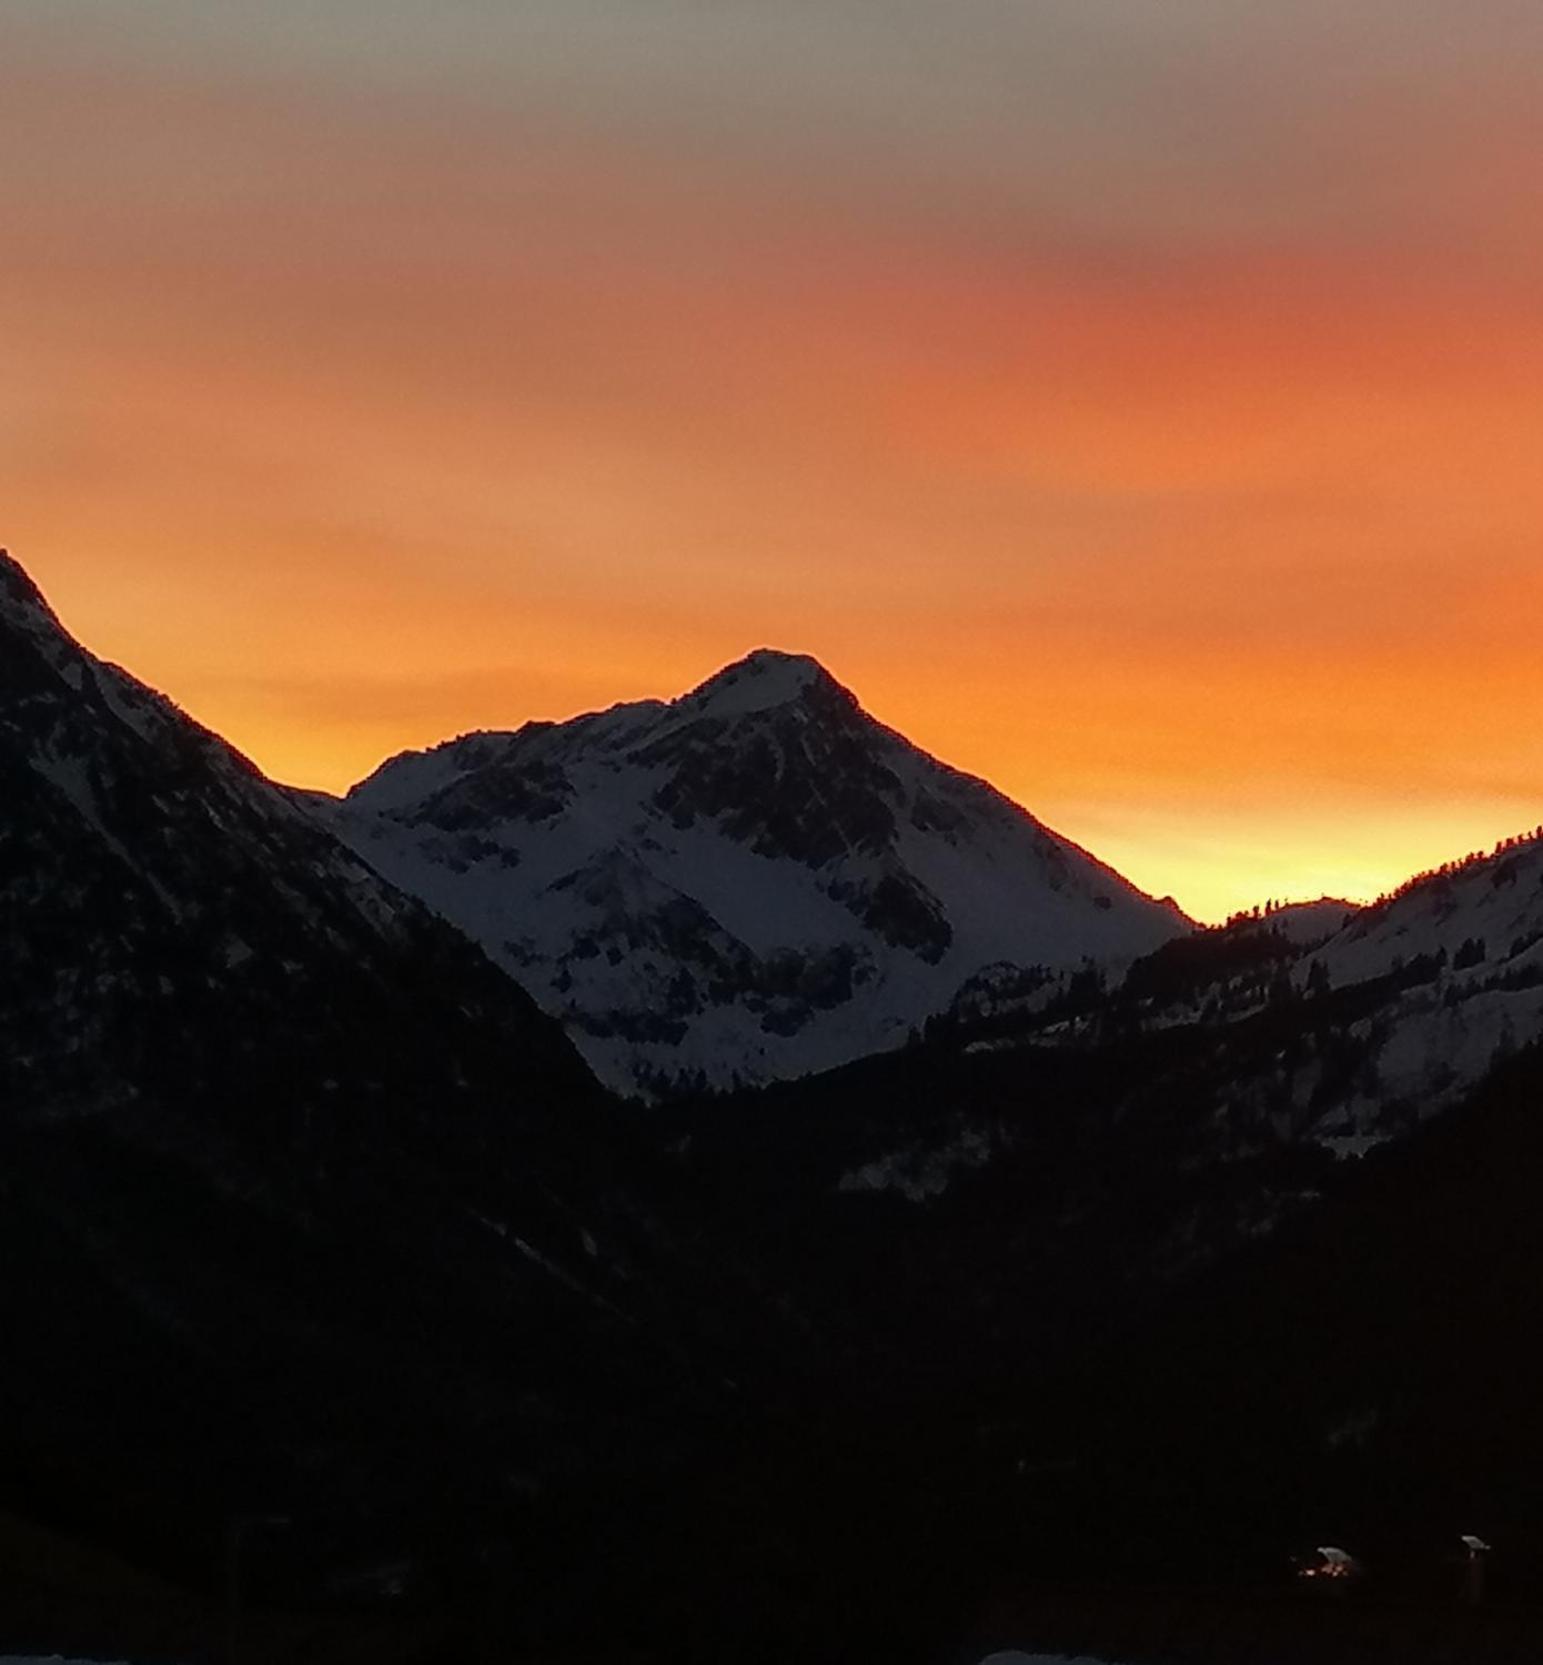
(747, 883)
(764, 678)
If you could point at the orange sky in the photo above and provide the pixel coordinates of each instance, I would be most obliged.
(1167, 453)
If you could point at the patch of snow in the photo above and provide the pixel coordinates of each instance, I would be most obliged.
(133, 704)
(71, 776)
(1351, 1146)
(919, 1174)
(1304, 923)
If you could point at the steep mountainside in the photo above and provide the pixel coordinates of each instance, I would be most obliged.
(300, 1197)
(752, 882)
(146, 867)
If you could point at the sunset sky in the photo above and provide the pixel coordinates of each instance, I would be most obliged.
(1136, 402)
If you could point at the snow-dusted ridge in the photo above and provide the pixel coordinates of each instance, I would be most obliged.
(1465, 946)
(164, 861)
(1402, 1008)
(748, 883)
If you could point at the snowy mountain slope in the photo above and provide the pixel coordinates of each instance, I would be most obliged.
(1462, 949)
(1493, 901)
(752, 882)
(1310, 924)
(1374, 1019)
(1443, 979)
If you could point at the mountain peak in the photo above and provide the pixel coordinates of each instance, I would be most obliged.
(761, 681)
(29, 623)
(21, 601)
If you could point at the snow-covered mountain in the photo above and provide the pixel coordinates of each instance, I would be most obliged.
(751, 882)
